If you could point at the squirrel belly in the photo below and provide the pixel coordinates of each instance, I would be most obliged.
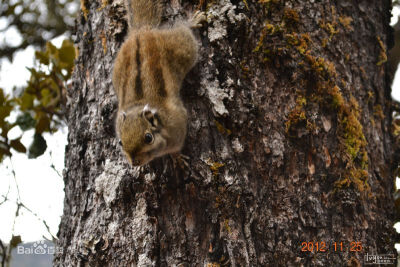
(147, 77)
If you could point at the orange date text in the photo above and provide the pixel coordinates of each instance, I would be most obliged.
(322, 246)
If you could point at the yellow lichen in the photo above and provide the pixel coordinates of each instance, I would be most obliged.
(382, 53)
(363, 72)
(291, 16)
(245, 69)
(396, 127)
(280, 39)
(84, 9)
(268, 29)
(330, 26)
(351, 136)
(221, 128)
(297, 114)
(346, 22)
(268, 1)
(215, 166)
(371, 95)
(321, 66)
(337, 97)
(104, 3)
(378, 112)
(354, 139)
(324, 42)
(299, 41)
(261, 40)
(226, 226)
(350, 130)
(292, 39)
(245, 3)
(104, 42)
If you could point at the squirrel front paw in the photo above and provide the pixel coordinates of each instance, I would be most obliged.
(197, 19)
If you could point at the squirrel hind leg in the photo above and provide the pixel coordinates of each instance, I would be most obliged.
(181, 49)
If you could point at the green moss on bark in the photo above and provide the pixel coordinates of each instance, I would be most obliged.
(305, 53)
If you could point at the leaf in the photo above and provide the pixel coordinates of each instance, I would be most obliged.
(67, 54)
(53, 53)
(26, 101)
(2, 96)
(46, 97)
(51, 49)
(4, 151)
(17, 145)
(5, 111)
(15, 240)
(32, 71)
(25, 121)
(38, 146)
(43, 124)
(43, 57)
(5, 128)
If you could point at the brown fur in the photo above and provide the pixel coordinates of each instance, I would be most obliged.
(143, 13)
(149, 70)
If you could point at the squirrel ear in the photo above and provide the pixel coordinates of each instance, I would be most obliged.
(147, 109)
(150, 114)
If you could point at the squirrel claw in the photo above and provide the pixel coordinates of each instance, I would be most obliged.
(180, 160)
(197, 19)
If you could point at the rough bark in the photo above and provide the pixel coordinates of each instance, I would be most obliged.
(289, 142)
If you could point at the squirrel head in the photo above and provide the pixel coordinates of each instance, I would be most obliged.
(140, 132)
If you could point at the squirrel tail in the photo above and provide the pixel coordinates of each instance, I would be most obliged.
(143, 13)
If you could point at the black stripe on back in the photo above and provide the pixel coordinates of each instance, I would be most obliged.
(156, 71)
(158, 76)
(138, 81)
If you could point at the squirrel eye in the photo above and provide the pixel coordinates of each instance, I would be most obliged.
(148, 138)
(120, 142)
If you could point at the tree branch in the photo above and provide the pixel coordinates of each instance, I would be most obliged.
(40, 219)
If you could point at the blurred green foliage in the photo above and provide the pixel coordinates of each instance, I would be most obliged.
(39, 105)
(36, 21)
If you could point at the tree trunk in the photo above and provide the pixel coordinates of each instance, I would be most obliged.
(288, 142)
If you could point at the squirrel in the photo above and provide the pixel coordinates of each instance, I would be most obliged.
(148, 73)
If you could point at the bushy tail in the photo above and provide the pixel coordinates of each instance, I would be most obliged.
(143, 13)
